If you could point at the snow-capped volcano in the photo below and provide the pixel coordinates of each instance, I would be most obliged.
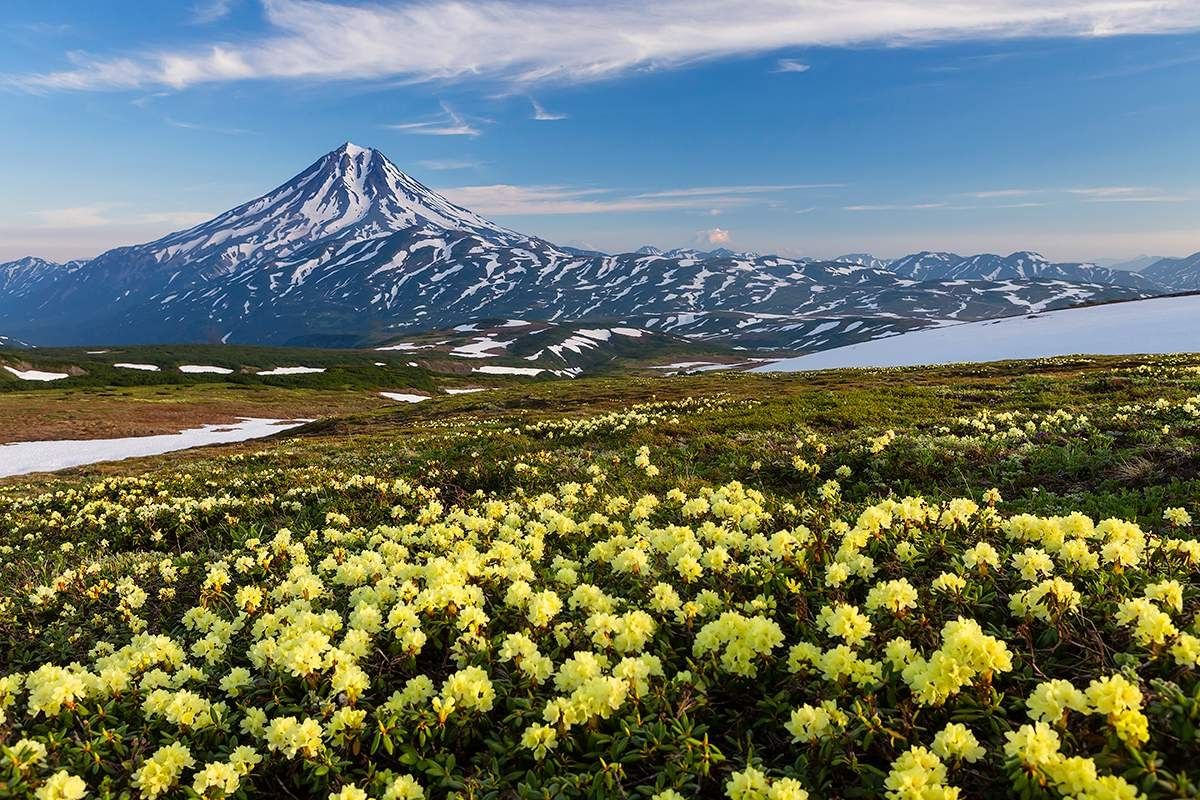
(350, 195)
(354, 251)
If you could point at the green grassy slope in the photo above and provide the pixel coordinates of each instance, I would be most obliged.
(458, 518)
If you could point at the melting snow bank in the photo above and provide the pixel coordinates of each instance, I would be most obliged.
(24, 457)
(499, 370)
(292, 371)
(197, 369)
(35, 375)
(404, 398)
(142, 367)
(1157, 325)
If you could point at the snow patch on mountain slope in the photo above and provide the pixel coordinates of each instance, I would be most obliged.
(1157, 325)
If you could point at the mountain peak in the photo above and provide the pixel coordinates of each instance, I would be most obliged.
(351, 194)
(351, 149)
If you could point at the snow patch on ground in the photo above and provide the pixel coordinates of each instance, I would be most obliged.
(141, 367)
(404, 346)
(404, 398)
(199, 369)
(499, 370)
(480, 348)
(37, 375)
(1157, 325)
(292, 371)
(689, 365)
(25, 457)
(469, 390)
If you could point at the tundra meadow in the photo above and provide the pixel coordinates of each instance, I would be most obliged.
(912, 584)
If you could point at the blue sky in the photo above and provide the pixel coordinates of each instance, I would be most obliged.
(802, 127)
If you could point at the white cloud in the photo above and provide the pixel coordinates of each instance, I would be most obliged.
(211, 11)
(702, 191)
(105, 215)
(542, 115)
(448, 123)
(441, 164)
(791, 65)
(994, 193)
(718, 236)
(509, 199)
(196, 126)
(540, 40)
(896, 207)
(74, 217)
(1127, 194)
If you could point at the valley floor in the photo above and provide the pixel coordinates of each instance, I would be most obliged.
(976, 579)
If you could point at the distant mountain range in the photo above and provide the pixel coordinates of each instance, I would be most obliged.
(354, 252)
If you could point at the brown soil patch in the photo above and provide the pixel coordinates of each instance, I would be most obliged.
(42, 416)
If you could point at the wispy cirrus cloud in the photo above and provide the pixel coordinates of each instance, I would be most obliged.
(503, 199)
(542, 115)
(198, 126)
(103, 215)
(210, 11)
(702, 191)
(898, 207)
(1127, 194)
(531, 41)
(791, 65)
(444, 164)
(448, 123)
(993, 193)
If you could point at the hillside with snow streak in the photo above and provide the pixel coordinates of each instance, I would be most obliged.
(352, 252)
(1157, 325)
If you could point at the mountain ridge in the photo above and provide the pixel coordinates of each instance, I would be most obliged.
(354, 248)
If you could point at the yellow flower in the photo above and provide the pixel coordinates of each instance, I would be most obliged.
(1035, 745)
(917, 774)
(1179, 517)
(159, 774)
(956, 741)
(540, 739)
(896, 596)
(61, 786)
(218, 779)
(404, 787)
(749, 784)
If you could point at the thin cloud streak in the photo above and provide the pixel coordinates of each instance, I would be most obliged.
(526, 43)
(449, 123)
(211, 11)
(1127, 194)
(896, 207)
(791, 65)
(554, 200)
(196, 126)
(445, 164)
(542, 115)
(101, 215)
(994, 193)
(700, 191)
